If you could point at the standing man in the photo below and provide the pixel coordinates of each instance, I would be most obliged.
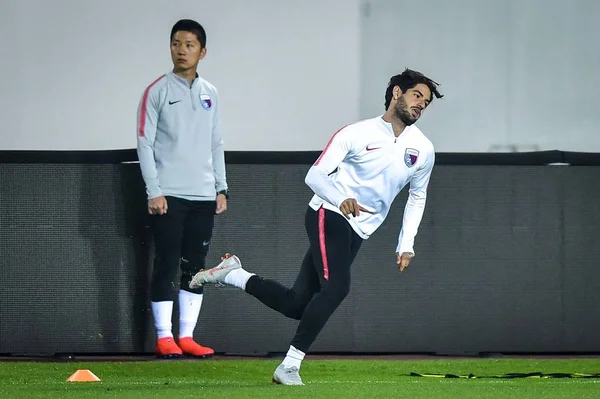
(355, 180)
(181, 155)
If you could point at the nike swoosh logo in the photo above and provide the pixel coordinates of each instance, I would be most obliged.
(215, 269)
(205, 243)
(174, 102)
(372, 148)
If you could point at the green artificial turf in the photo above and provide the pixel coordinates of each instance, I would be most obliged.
(323, 378)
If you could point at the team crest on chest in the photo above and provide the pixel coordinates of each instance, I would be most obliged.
(410, 157)
(205, 101)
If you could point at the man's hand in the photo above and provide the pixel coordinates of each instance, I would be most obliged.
(404, 260)
(221, 204)
(157, 206)
(351, 207)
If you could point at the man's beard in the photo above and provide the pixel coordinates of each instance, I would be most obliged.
(403, 113)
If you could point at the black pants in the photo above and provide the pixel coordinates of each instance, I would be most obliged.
(323, 281)
(181, 239)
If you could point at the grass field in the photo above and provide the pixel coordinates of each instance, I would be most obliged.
(323, 378)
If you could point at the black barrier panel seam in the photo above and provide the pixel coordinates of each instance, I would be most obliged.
(539, 158)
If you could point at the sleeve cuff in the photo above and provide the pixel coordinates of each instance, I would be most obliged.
(405, 247)
(338, 201)
(154, 193)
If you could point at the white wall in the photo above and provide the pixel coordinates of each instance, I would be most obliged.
(73, 71)
(521, 73)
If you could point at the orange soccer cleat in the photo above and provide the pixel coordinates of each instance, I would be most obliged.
(167, 348)
(193, 349)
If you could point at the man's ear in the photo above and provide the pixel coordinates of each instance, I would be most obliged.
(396, 93)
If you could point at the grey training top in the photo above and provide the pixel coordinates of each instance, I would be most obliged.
(180, 146)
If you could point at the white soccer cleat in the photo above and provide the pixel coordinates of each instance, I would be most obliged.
(217, 274)
(287, 375)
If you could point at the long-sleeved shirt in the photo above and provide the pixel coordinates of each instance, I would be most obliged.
(373, 166)
(179, 141)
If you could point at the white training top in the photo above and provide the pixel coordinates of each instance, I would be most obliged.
(373, 166)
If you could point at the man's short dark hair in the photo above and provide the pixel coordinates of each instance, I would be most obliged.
(189, 25)
(407, 80)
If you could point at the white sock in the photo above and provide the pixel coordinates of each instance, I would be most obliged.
(163, 311)
(189, 309)
(293, 358)
(238, 278)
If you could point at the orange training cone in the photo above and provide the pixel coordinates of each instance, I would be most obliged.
(83, 376)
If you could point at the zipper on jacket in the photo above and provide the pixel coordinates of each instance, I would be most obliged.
(192, 99)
